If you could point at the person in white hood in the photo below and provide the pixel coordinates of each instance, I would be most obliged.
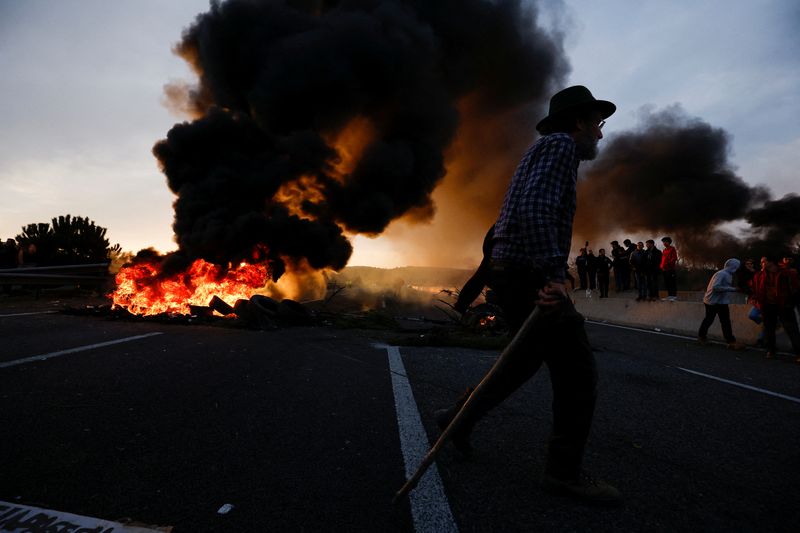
(717, 297)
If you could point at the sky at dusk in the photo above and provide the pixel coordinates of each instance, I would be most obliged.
(82, 98)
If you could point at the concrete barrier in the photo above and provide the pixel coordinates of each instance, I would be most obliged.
(680, 317)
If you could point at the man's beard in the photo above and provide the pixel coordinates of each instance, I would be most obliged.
(586, 146)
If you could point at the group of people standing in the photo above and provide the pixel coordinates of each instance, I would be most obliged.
(773, 290)
(643, 262)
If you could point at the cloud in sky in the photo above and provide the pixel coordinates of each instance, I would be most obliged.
(82, 89)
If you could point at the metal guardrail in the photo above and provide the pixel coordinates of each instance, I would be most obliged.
(55, 275)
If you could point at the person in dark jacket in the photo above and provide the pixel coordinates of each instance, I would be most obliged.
(591, 270)
(630, 247)
(581, 262)
(652, 268)
(604, 265)
(620, 266)
(638, 264)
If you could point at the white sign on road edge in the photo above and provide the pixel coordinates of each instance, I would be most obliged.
(15, 517)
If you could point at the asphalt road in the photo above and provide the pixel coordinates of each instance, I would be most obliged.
(300, 429)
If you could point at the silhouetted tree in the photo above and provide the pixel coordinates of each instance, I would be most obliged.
(70, 240)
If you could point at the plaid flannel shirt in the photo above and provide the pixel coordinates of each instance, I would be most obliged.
(534, 228)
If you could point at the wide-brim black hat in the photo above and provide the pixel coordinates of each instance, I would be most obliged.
(572, 99)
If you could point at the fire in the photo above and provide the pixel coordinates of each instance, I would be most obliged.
(143, 291)
(487, 321)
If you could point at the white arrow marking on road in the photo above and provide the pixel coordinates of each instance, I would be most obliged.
(74, 350)
(744, 386)
(429, 506)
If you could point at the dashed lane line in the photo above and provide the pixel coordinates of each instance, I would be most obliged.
(29, 314)
(50, 355)
(640, 330)
(742, 385)
(709, 376)
(430, 509)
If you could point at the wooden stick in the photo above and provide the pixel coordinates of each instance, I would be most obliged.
(467, 407)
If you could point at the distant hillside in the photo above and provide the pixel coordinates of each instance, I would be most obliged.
(420, 276)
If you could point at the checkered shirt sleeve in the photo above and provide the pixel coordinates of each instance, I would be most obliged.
(535, 223)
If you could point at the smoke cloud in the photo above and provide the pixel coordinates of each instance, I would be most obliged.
(775, 227)
(671, 176)
(317, 119)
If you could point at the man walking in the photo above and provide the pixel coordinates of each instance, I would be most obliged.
(716, 300)
(531, 244)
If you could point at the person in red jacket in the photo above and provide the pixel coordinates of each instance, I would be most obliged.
(669, 265)
(774, 292)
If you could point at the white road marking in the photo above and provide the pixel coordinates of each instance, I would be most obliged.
(743, 385)
(29, 314)
(729, 382)
(640, 330)
(74, 350)
(430, 509)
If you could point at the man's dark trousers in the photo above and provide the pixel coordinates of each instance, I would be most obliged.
(559, 340)
(724, 314)
(772, 313)
(652, 283)
(671, 282)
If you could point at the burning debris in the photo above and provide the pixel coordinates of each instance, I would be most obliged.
(315, 120)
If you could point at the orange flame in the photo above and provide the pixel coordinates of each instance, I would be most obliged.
(487, 321)
(142, 291)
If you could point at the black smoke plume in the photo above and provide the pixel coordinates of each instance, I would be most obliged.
(281, 81)
(775, 227)
(671, 176)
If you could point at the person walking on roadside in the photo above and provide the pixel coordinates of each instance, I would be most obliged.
(669, 266)
(716, 300)
(652, 268)
(638, 262)
(531, 244)
(774, 291)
